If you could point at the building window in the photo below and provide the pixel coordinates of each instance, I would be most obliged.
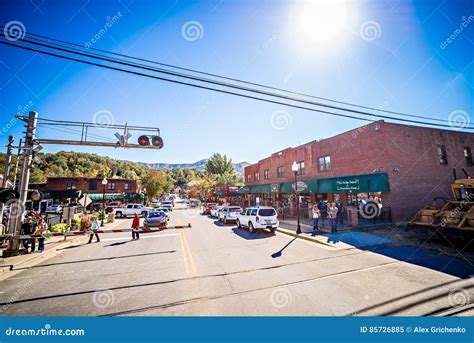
(70, 185)
(280, 171)
(257, 176)
(443, 158)
(93, 185)
(301, 170)
(249, 177)
(111, 185)
(266, 174)
(468, 156)
(128, 186)
(324, 163)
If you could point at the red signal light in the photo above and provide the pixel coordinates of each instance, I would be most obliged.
(143, 140)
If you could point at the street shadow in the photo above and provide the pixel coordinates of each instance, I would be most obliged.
(116, 244)
(259, 234)
(97, 259)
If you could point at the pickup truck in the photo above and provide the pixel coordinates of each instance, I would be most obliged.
(131, 209)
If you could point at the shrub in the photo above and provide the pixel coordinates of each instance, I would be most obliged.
(61, 227)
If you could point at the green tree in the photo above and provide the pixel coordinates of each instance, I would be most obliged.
(156, 183)
(218, 164)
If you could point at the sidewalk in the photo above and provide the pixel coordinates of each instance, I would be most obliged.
(346, 238)
(52, 247)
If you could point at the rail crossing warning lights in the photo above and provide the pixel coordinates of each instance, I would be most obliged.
(156, 141)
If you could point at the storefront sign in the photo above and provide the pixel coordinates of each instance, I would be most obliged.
(348, 185)
(300, 186)
(275, 188)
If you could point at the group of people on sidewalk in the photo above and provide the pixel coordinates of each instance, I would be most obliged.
(330, 211)
(88, 223)
(31, 228)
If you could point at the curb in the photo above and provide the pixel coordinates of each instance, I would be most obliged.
(34, 260)
(293, 234)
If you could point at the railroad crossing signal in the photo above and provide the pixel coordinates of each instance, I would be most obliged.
(156, 141)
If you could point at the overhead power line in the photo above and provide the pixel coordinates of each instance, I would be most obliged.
(232, 79)
(240, 88)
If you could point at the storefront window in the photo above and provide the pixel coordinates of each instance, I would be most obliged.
(280, 171)
(324, 163)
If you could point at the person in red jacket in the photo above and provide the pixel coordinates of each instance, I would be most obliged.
(135, 227)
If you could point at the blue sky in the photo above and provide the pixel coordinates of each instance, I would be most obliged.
(385, 54)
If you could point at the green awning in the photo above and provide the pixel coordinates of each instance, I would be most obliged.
(356, 184)
(108, 196)
(219, 192)
(70, 193)
(129, 196)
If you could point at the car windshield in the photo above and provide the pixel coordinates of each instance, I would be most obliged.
(156, 214)
(267, 212)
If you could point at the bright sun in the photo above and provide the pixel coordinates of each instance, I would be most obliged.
(321, 20)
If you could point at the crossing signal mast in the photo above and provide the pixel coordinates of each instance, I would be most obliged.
(149, 139)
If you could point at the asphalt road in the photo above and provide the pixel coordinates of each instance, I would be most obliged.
(215, 269)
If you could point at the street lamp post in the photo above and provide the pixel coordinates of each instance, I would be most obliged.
(295, 169)
(104, 183)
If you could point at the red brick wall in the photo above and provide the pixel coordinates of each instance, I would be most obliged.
(60, 184)
(381, 147)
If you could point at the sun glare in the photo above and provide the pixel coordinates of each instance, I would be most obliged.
(321, 20)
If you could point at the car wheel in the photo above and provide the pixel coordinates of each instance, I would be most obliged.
(251, 228)
(118, 214)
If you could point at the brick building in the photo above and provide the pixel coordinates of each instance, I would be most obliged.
(405, 166)
(70, 189)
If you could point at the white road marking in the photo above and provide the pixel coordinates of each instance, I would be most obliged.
(142, 237)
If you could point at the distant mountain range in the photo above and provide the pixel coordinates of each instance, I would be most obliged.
(199, 165)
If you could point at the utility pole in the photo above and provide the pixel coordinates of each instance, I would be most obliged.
(17, 218)
(8, 159)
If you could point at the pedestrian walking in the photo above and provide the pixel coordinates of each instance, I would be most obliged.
(135, 227)
(28, 228)
(90, 224)
(332, 216)
(316, 215)
(41, 228)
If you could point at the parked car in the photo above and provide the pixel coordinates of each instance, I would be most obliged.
(131, 209)
(155, 219)
(113, 205)
(94, 206)
(167, 206)
(56, 209)
(255, 218)
(155, 204)
(229, 214)
(167, 203)
(165, 210)
(215, 210)
(208, 207)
